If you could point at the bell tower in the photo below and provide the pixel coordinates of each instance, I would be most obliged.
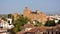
(26, 11)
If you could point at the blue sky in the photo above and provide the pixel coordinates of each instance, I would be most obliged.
(46, 6)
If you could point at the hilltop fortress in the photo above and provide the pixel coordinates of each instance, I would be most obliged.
(37, 15)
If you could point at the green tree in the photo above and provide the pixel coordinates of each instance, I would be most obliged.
(39, 24)
(10, 16)
(50, 23)
(3, 18)
(21, 21)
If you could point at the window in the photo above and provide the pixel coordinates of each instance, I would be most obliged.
(9, 22)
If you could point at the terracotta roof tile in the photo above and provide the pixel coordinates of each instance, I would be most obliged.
(28, 25)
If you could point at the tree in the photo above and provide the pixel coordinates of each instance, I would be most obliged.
(10, 16)
(50, 23)
(39, 24)
(21, 21)
(3, 18)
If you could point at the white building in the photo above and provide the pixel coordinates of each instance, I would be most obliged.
(4, 26)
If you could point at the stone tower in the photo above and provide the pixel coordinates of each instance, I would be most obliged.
(26, 11)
